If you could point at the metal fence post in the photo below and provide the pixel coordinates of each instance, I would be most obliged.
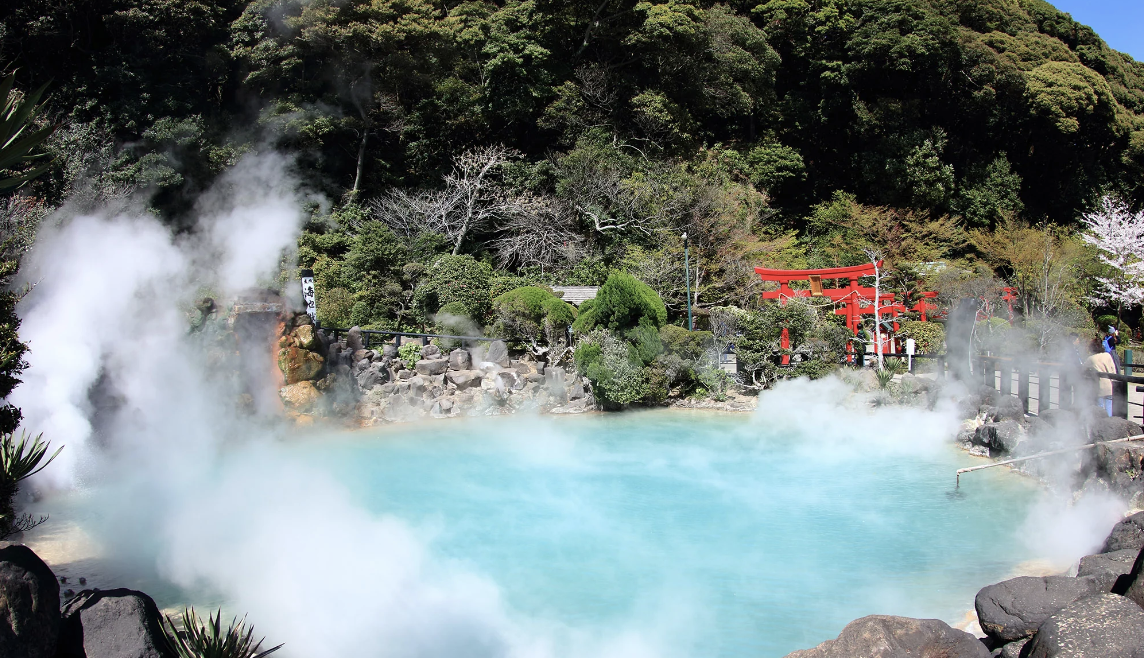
(1023, 385)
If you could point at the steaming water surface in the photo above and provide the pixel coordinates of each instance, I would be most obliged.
(712, 533)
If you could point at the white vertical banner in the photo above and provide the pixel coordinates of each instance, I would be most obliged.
(309, 295)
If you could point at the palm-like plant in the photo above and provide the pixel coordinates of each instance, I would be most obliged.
(885, 376)
(896, 365)
(20, 458)
(18, 135)
(208, 640)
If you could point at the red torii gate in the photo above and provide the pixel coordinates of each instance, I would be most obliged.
(850, 296)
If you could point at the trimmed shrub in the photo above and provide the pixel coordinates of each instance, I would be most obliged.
(334, 308)
(617, 376)
(928, 336)
(622, 302)
(462, 279)
(530, 314)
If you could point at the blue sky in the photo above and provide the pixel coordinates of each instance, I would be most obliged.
(1119, 22)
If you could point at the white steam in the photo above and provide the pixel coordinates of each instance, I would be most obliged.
(115, 377)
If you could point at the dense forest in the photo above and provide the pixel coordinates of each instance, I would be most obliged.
(465, 149)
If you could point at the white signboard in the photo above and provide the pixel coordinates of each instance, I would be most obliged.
(309, 296)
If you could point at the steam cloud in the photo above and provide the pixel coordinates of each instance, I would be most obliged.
(114, 376)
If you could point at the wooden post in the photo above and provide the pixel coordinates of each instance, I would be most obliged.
(1119, 399)
(1128, 362)
(1006, 378)
(1044, 389)
(1064, 391)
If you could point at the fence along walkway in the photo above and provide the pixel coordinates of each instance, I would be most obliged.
(1040, 386)
(367, 336)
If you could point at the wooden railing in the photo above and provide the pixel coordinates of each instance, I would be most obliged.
(1040, 382)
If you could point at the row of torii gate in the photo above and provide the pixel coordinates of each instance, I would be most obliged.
(851, 301)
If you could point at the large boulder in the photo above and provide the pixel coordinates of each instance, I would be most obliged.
(29, 604)
(1107, 567)
(301, 397)
(1129, 533)
(1121, 465)
(1001, 437)
(431, 366)
(879, 636)
(353, 339)
(114, 623)
(1104, 428)
(463, 379)
(374, 375)
(460, 360)
(299, 365)
(1101, 626)
(1013, 609)
(498, 353)
(431, 352)
(305, 338)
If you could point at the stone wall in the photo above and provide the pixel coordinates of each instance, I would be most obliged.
(342, 379)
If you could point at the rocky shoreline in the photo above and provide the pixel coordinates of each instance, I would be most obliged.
(1096, 613)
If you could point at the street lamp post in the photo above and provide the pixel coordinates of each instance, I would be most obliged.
(687, 276)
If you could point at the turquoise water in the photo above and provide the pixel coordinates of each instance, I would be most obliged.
(744, 542)
(701, 534)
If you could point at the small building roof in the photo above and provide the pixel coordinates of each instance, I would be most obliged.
(577, 294)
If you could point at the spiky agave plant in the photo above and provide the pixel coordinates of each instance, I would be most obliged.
(20, 458)
(885, 376)
(897, 365)
(208, 640)
(18, 134)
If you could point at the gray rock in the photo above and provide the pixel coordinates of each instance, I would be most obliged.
(375, 375)
(1013, 609)
(460, 360)
(521, 368)
(353, 339)
(1011, 650)
(1007, 408)
(431, 351)
(1101, 626)
(1000, 437)
(363, 355)
(1107, 567)
(116, 623)
(29, 604)
(432, 366)
(498, 353)
(1129, 533)
(464, 379)
(1106, 429)
(879, 636)
(1121, 465)
(575, 390)
(389, 350)
(404, 374)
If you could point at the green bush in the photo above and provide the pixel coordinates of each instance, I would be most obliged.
(620, 304)
(530, 314)
(461, 279)
(687, 345)
(617, 376)
(410, 354)
(334, 308)
(929, 337)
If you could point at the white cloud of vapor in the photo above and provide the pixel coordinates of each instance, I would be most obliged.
(151, 431)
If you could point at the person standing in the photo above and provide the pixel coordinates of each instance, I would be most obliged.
(1101, 361)
(1109, 344)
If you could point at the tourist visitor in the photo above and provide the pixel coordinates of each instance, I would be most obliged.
(1111, 340)
(1101, 362)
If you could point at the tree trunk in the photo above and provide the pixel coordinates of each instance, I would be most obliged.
(360, 164)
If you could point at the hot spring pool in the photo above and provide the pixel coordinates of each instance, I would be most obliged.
(720, 535)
